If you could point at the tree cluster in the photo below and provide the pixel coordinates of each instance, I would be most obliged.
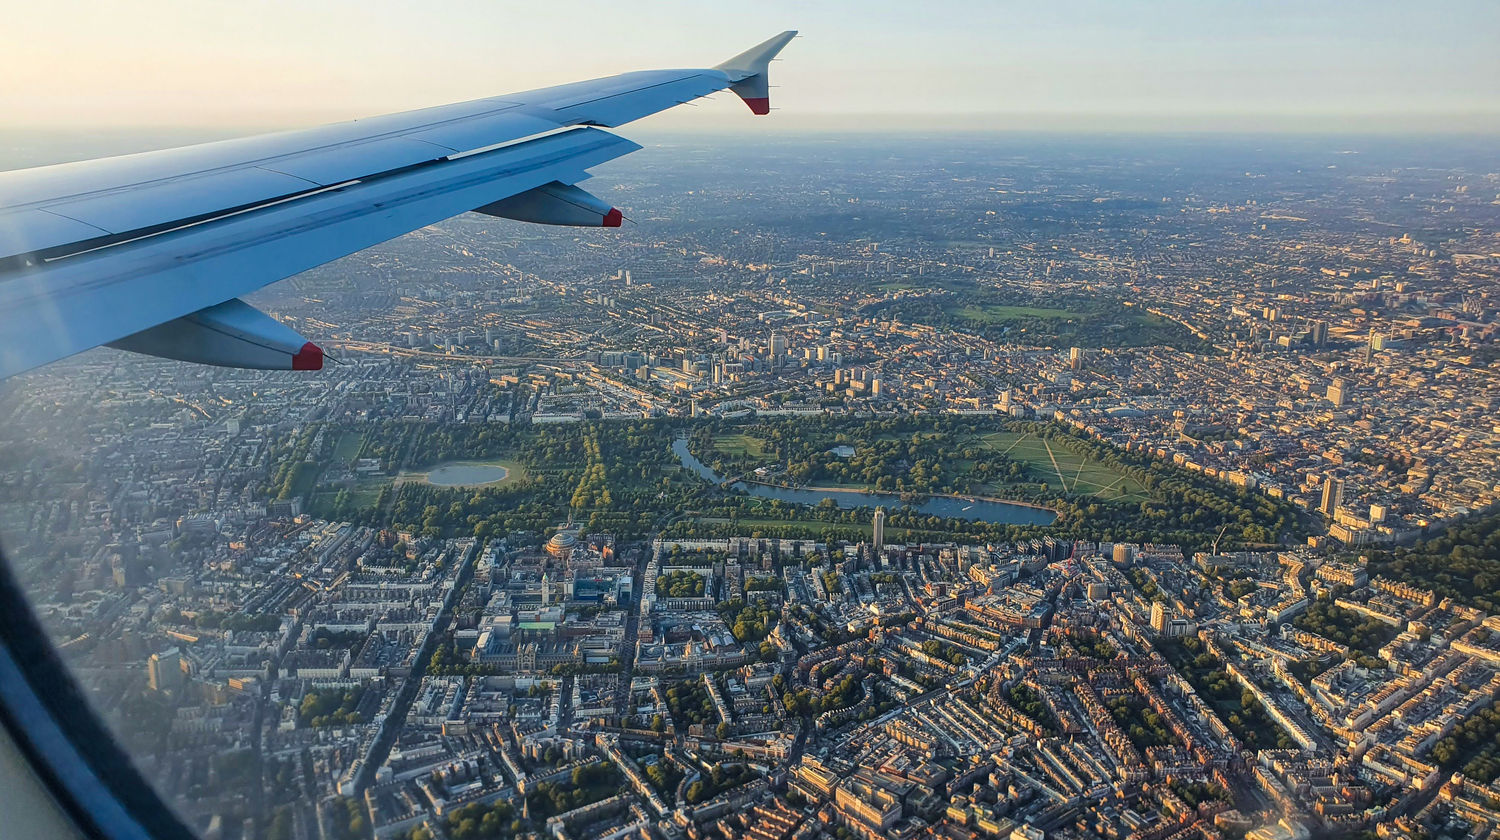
(1463, 563)
(1360, 634)
(589, 783)
(1240, 710)
(481, 822)
(330, 708)
(1473, 747)
(748, 622)
(718, 780)
(680, 583)
(689, 703)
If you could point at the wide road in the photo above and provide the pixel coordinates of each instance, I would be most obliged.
(397, 717)
(632, 631)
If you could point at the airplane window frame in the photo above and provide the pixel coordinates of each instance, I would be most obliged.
(68, 747)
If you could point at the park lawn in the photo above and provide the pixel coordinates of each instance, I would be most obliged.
(1059, 466)
(322, 500)
(362, 494)
(740, 445)
(304, 477)
(995, 313)
(348, 448)
(365, 491)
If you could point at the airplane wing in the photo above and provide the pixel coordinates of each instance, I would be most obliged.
(151, 252)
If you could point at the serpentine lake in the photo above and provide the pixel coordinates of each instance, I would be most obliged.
(953, 507)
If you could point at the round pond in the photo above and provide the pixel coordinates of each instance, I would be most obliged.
(466, 475)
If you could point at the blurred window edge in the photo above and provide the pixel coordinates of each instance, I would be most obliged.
(52, 728)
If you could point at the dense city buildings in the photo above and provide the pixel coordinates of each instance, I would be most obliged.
(1070, 496)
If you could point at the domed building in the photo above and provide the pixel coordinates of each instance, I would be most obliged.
(561, 545)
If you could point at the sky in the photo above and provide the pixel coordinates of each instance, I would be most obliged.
(1044, 64)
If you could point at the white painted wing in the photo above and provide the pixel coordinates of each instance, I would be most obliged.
(95, 251)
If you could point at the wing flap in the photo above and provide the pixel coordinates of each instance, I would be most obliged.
(32, 229)
(187, 197)
(486, 130)
(336, 165)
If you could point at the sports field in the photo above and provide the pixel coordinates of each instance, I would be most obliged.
(1061, 467)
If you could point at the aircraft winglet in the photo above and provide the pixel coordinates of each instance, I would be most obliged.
(749, 72)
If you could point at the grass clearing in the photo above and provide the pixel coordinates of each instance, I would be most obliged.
(1059, 466)
(1047, 463)
(348, 447)
(740, 445)
(365, 492)
(304, 478)
(362, 494)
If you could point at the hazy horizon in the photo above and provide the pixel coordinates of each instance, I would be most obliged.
(22, 147)
(1373, 67)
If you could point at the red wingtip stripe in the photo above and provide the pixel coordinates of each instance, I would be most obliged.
(614, 217)
(310, 357)
(759, 105)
